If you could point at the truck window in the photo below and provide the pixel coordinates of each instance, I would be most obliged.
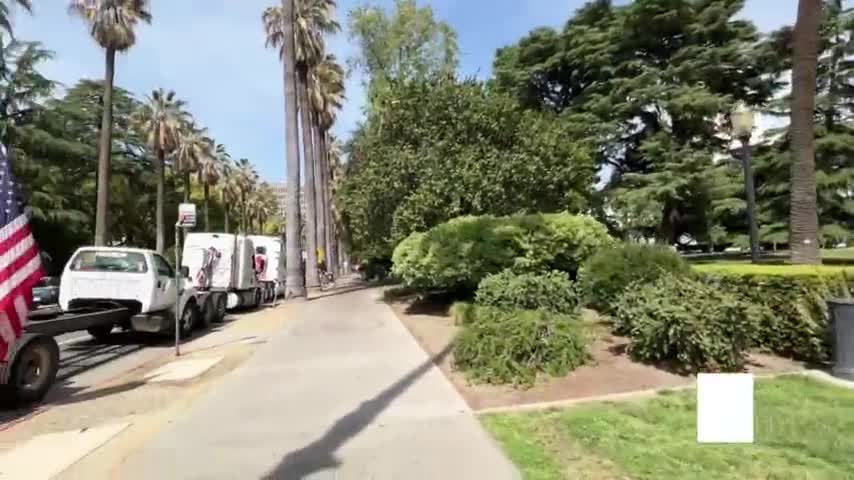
(162, 266)
(109, 261)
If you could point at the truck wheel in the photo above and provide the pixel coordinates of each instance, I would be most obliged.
(101, 332)
(221, 306)
(258, 298)
(208, 314)
(35, 369)
(189, 318)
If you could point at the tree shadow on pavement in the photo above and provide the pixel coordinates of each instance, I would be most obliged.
(320, 454)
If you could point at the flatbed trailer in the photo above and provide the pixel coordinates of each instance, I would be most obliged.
(33, 360)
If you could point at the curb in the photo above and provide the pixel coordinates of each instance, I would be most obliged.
(634, 394)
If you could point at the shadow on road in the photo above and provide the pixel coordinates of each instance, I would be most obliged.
(320, 454)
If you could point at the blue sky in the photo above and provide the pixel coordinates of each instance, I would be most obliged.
(211, 52)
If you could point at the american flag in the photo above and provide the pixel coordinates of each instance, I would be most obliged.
(20, 265)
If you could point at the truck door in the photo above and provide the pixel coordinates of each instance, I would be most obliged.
(166, 290)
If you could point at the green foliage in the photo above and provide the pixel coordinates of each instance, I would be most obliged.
(443, 148)
(650, 80)
(409, 44)
(551, 291)
(790, 312)
(609, 272)
(460, 253)
(698, 327)
(501, 346)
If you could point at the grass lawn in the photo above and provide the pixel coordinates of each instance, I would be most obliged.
(838, 253)
(803, 430)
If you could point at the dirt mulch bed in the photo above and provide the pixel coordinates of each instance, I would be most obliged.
(611, 370)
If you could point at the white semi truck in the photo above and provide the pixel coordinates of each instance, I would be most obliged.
(272, 274)
(103, 288)
(224, 263)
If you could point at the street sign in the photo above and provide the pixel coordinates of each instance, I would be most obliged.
(187, 215)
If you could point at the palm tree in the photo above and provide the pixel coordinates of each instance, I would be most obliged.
(312, 18)
(111, 24)
(210, 172)
(229, 190)
(327, 98)
(193, 146)
(159, 121)
(803, 216)
(246, 180)
(6, 9)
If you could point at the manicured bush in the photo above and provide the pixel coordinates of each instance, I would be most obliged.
(503, 346)
(606, 274)
(697, 326)
(458, 254)
(551, 291)
(791, 314)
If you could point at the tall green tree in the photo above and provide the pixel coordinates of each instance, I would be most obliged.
(803, 223)
(210, 173)
(652, 82)
(160, 120)
(445, 148)
(111, 24)
(408, 43)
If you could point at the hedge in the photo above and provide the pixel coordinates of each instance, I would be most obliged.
(550, 291)
(460, 253)
(506, 346)
(606, 274)
(696, 326)
(792, 316)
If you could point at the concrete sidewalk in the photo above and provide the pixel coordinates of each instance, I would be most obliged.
(342, 392)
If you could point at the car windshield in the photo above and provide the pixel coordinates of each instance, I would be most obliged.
(109, 261)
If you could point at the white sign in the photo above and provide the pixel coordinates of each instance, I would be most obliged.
(187, 215)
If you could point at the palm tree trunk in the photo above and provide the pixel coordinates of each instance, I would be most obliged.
(312, 281)
(187, 186)
(294, 282)
(104, 151)
(207, 193)
(320, 203)
(160, 201)
(225, 209)
(331, 229)
(803, 214)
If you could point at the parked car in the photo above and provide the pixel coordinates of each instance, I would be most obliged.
(46, 292)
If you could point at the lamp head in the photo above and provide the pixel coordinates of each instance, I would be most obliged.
(742, 119)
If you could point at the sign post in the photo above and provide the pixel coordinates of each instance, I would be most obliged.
(186, 219)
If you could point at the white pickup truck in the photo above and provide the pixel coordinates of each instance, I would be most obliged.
(102, 288)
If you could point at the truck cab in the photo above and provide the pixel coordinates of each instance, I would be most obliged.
(140, 280)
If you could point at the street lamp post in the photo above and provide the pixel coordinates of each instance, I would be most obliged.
(742, 120)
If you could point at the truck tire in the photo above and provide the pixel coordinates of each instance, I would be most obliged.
(101, 333)
(34, 369)
(221, 307)
(259, 297)
(189, 319)
(208, 314)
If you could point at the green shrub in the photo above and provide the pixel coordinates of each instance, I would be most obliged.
(501, 346)
(695, 325)
(606, 274)
(551, 291)
(791, 317)
(458, 254)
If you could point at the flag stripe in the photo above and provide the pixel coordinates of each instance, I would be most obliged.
(27, 273)
(14, 251)
(7, 274)
(12, 236)
(15, 224)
